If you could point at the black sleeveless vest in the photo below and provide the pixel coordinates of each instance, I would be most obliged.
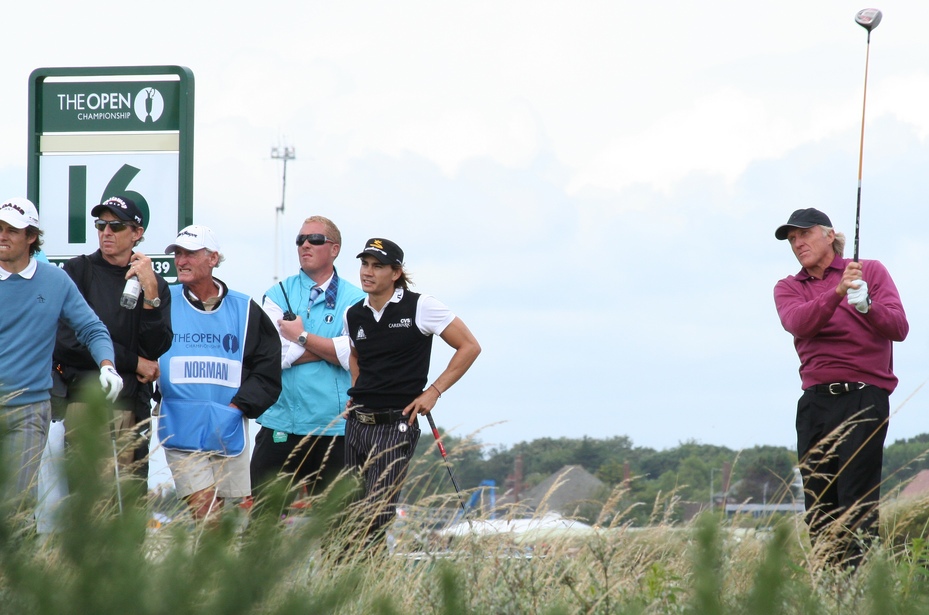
(393, 354)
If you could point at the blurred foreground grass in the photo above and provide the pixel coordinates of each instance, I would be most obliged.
(105, 559)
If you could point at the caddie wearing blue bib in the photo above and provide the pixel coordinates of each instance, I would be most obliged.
(201, 373)
(223, 368)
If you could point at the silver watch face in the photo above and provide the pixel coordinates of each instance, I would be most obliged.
(156, 302)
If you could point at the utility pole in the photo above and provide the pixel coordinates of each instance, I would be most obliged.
(284, 154)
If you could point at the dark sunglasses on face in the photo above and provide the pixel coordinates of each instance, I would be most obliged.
(315, 239)
(117, 226)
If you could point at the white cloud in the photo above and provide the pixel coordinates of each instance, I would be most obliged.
(907, 97)
(638, 155)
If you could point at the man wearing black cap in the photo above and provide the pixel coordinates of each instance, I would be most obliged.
(140, 335)
(391, 333)
(844, 316)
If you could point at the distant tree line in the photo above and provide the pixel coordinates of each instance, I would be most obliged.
(758, 474)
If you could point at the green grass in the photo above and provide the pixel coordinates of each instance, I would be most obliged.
(106, 560)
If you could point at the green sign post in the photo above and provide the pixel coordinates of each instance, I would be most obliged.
(98, 132)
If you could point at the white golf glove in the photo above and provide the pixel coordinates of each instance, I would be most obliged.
(111, 382)
(859, 298)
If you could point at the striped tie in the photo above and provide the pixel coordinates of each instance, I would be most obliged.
(315, 292)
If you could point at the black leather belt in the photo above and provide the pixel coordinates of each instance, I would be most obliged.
(378, 417)
(837, 388)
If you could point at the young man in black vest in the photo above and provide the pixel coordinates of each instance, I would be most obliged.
(391, 333)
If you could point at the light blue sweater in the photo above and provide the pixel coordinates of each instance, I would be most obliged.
(29, 315)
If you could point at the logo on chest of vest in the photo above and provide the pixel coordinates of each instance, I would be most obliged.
(361, 334)
(231, 343)
(404, 323)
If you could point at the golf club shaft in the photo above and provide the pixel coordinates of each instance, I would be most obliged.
(438, 441)
(864, 103)
(119, 492)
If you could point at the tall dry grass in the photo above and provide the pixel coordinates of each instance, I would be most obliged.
(105, 559)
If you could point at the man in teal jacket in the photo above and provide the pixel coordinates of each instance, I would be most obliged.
(302, 435)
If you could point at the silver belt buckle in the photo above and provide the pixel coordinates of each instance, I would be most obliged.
(367, 419)
(838, 391)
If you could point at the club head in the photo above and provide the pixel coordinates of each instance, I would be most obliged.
(868, 18)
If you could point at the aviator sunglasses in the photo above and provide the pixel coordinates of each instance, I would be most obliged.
(117, 226)
(315, 239)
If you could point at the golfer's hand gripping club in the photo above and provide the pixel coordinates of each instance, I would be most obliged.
(859, 297)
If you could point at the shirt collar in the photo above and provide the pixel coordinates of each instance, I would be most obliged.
(310, 281)
(213, 303)
(26, 273)
(838, 263)
(395, 298)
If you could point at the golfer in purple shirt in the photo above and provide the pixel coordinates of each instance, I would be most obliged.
(844, 316)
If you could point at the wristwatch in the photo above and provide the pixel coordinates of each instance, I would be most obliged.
(152, 302)
(302, 339)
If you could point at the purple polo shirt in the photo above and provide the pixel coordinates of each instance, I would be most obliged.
(834, 341)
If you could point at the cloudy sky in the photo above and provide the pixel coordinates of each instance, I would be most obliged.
(593, 187)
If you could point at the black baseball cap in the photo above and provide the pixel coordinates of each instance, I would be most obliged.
(122, 207)
(383, 250)
(803, 218)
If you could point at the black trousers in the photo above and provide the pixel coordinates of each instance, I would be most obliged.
(840, 444)
(381, 454)
(315, 461)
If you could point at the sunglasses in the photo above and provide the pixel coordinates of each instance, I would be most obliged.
(117, 226)
(315, 239)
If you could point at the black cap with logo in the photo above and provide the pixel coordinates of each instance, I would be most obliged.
(803, 218)
(383, 250)
(122, 207)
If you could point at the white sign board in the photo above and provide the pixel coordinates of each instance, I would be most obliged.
(68, 179)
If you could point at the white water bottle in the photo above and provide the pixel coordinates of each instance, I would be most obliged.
(131, 293)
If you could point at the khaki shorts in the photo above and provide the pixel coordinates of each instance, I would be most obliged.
(195, 472)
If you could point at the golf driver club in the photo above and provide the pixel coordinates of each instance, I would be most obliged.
(867, 19)
(438, 441)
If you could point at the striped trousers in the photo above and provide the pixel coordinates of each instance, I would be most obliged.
(381, 454)
(25, 431)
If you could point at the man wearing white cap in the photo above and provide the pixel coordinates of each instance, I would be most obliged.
(34, 297)
(224, 366)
